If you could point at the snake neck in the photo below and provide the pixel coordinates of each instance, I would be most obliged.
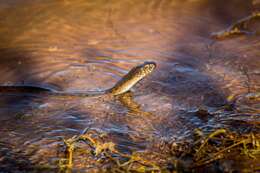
(126, 83)
(132, 77)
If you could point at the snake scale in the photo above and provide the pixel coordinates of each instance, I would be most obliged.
(125, 84)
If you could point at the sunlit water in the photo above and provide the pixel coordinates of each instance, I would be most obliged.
(84, 45)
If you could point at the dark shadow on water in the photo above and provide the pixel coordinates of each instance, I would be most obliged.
(12, 160)
(228, 11)
(16, 114)
(16, 66)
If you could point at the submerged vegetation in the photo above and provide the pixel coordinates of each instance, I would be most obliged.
(238, 28)
(181, 156)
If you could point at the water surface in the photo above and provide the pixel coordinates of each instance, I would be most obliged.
(89, 45)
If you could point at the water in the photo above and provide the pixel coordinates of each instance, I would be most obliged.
(89, 45)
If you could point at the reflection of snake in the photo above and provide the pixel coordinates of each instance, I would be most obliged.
(122, 86)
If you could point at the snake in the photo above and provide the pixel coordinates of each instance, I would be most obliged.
(136, 74)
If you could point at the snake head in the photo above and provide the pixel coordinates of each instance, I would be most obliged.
(147, 67)
(132, 77)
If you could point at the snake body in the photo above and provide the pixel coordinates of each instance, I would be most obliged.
(125, 84)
